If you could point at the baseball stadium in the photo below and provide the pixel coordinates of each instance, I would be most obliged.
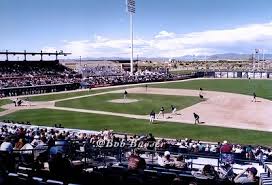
(66, 119)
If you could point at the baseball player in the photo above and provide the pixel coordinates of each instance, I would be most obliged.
(152, 117)
(201, 93)
(125, 95)
(196, 118)
(145, 87)
(254, 97)
(161, 112)
(174, 109)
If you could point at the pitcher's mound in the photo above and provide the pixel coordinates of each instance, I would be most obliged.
(123, 101)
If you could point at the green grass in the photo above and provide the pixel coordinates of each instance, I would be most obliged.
(51, 97)
(263, 88)
(4, 102)
(171, 130)
(144, 106)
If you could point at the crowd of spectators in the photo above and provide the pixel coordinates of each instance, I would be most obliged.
(221, 65)
(35, 81)
(102, 70)
(57, 147)
(126, 78)
(34, 73)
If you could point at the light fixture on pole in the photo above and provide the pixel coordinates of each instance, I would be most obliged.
(131, 11)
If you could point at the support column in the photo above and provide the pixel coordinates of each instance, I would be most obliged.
(7, 55)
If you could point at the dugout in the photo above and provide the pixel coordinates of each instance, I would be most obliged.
(17, 91)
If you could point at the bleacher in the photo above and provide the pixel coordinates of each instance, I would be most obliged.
(85, 163)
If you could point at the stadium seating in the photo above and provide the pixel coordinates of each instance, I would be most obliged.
(87, 163)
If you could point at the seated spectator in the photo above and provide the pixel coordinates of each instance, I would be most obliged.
(249, 152)
(19, 144)
(36, 141)
(241, 178)
(208, 173)
(180, 162)
(135, 162)
(177, 181)
(226, 172)
(166, 160)
(59, 166)
(6, 145)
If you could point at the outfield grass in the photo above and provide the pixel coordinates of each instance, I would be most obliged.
(4, 102)
(171, 130)
(51, 97)
(146, 103)
(263, 88)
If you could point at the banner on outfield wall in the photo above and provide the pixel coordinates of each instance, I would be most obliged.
(235, 74)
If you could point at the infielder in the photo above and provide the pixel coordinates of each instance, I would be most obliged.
(161, 112)
(196, 118)
(125, 95)
(254, 97)
(174, 109)
(201, 93)
(152, 117)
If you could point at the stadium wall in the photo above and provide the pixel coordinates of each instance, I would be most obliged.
(17, 91)
(235, 74)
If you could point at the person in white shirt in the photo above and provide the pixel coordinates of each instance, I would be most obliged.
(6, 146)
(166, 160)
(249, 178)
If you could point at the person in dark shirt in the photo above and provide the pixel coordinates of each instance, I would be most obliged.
(254, 97)
(59, 166)
(201, 93)
(152, 116)
(125, 94)
(135, 162)
(196, 118)
(161, 112)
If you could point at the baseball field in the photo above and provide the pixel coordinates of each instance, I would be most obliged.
(226, 112)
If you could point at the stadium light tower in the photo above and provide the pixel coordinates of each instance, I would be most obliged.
(131, 11)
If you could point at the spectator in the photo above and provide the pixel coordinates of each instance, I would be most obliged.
(6, 145)
(226, 147)
(19, 144)
(59, 166)
(166, 160)
(177, 181)
(241, 178)
(180, 162)
(207, 173)
(135, 162)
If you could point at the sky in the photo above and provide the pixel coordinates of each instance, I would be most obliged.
(100, 28)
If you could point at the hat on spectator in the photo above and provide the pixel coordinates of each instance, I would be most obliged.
(166, 153)
(252, 170)
(225, 142)
(36, 137)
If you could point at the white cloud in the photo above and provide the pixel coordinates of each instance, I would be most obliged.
(168, 44)
(165, 34)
